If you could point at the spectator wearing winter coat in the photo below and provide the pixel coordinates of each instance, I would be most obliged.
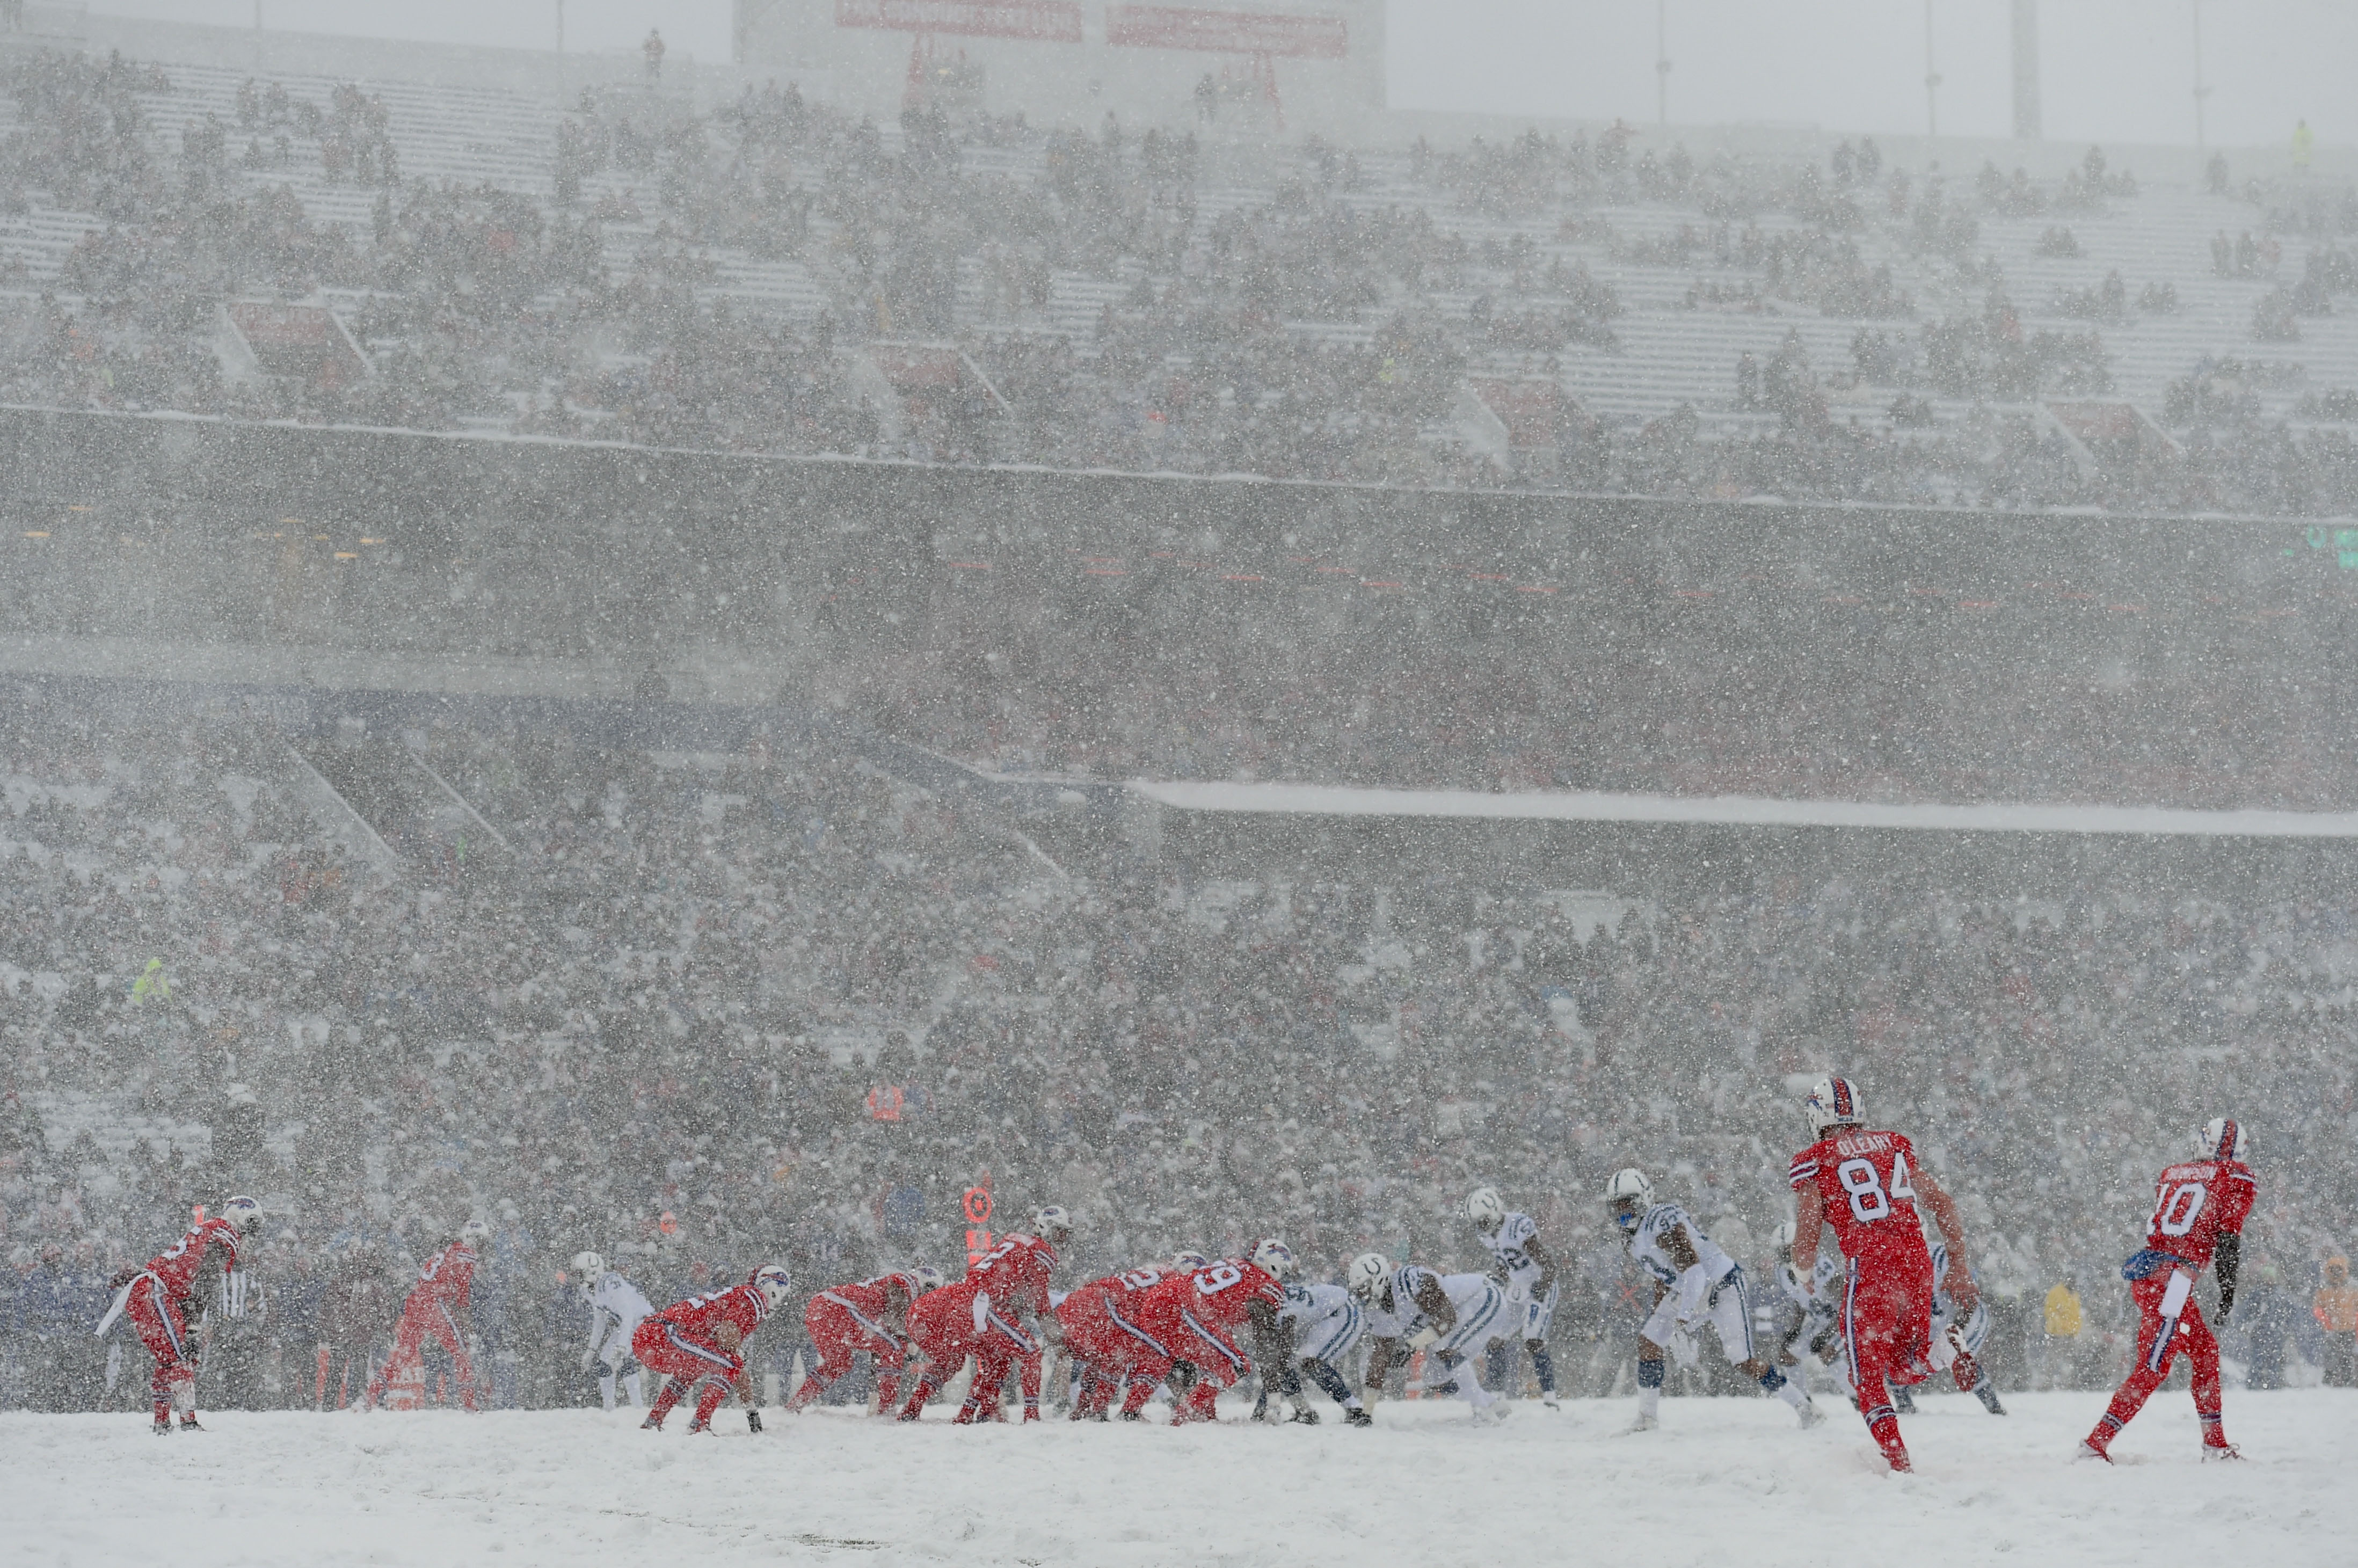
(2335, 1307)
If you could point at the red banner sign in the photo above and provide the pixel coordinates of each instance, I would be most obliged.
(1040, 21)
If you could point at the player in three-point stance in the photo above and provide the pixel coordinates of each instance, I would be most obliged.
(158, 1299)
(870, 1315)
(996, 1314)
(617, 1307)
(1099, 1321)
(437, 1306)
(1326, 1323)
(1520, 1261)
(1864, 1184)
(1694, 1281)
(2198, 1212)
(1453, 1317)
(696, 1344)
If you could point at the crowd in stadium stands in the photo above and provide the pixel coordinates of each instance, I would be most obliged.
(492, 309)
(710, 1011)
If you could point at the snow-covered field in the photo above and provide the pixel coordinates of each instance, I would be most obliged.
(1725, 1482)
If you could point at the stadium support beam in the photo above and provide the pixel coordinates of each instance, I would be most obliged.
(2026, 70)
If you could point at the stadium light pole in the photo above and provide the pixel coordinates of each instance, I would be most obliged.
(1931, 81)
(2200, 91)
(1661, 62)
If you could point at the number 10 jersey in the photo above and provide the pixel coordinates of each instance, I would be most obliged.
(1866, 1181)
(2197, 1203)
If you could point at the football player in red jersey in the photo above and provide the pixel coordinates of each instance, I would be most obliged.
(157, 1300)
(1099, 1320)
(869, 1315)
(995, 1315)
(695, 1343)
(2199, 1211)
(1186, 1328)
(1866, 1184)
(437, 1305)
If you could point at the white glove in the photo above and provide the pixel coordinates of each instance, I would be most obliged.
(1423, 1336)
(1683, 1348)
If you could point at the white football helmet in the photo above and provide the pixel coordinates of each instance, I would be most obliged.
(1275, 1258)
(927, 1279)
(1369, 1272)
(1833, 1103)
(1486, 1208)
(1186, 1260)
(589, 1265)
(2222, 1139)
(1628, 1196)
(1053, 1225)
(474, 1231)
(774, 1284)
(243, 1213)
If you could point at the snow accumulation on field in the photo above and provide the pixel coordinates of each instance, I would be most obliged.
(1724, 1481)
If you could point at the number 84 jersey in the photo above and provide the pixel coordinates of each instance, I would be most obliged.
(1863, 1181)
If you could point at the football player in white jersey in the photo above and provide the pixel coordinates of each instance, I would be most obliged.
(1453, 1317)
(1809, 1315)
(1325, 1324)
(616, 1308)
(1520, 1261)
(1973, 1332)
(1695, 1282)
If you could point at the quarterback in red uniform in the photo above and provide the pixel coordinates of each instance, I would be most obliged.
(870, 1315)
(437, 1305)
(992, 1315)
(1866, 1184)
(157, 1300)
(2197, 1216)
(695, 1343)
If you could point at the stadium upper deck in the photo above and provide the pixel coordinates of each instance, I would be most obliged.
(1916, 325)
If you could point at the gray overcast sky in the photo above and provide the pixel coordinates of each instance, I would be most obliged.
(2117, 70)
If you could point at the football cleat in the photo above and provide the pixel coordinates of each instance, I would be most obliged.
(1811, 1415)
(2090, 1451)
(189, 1424)
(653, 1423)
(1359, 1417)
(696, 1426)
(163, 1427)
(1305, 1416)
(1643, 1423)
(2219, 1451)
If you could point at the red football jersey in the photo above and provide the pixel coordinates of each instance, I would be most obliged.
(178, 1267)
(1862, 1180)
(2197, 1203)
(1218, 1296)
(1015, 1272)
(448, 1277)
(743, 1305)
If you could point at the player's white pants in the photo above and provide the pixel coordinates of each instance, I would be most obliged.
(1457, 1354)
(1728, 1309)
(1973, 1327)
(616, 1359)
(1538, 1311)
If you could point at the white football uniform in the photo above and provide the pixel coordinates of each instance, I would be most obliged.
(1482, 1316)
(1712, 1290)
(1326, 1322)
(617, 1307)
(1974, 1326)
(1511, 1262)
